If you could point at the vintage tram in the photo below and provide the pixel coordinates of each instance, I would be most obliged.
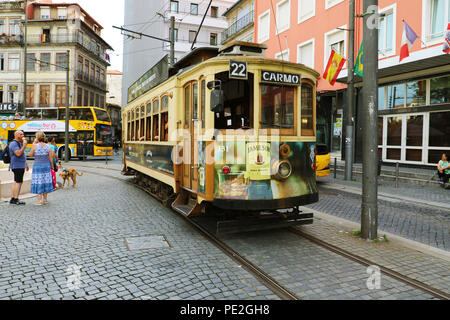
(227, 130)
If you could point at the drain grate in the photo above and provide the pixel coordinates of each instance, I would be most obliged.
(147, 242)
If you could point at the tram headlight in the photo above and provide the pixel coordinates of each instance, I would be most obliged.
(282, 170)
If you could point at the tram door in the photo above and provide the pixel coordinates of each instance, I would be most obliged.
(190, 137)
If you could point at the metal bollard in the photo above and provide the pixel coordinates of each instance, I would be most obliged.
(335, 167)
(397, 167)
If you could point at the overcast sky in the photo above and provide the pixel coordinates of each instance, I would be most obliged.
(108, 13)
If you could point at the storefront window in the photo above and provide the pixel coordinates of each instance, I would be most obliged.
(440, 90)
(414, 131)
(380, 131)
(394, 134)
(439, 129)
(396, 96)
(381, 98)
(416, 93)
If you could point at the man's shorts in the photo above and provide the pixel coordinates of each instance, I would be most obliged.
(18, 175)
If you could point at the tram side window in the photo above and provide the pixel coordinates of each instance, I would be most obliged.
(238, 103)
(164, 118)
(135, 124)
(307, 110)
(128, 126)
(148, 134)
(277, 108)
(156, 120)
(142, 124)
(203, 102)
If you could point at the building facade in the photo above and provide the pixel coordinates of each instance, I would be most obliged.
(240, 19)
(58, 35)
(141, 54)
(414, 95)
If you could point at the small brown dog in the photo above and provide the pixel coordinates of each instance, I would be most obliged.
(68, 174)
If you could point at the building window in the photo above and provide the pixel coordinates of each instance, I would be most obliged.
(45, 13)
(283, 15)
(60, 96)
(283, 55)
(192, 35)
(264, 26)
(335, 40)
(386, 33)
(86, 70)
(86, 98)
(436, 13)
(31, 61)
(305, 53)
(14, 28)
(61, 61)
(306, 9)
(30, 96)
(440, 90)
(213, 39)
(80, 68)
(331, 3)
(92, 98)
(396, 96)
(2, 27)
(416, 93)
(194, 8)
(174, 6)
(92, 75)
(2, 62)
(44, 95)
(13, 94)
(214, 12)
(79, 96)
(62, 13)
(13, 61)
(45, 62)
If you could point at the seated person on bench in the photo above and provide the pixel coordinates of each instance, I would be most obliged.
(444, 169)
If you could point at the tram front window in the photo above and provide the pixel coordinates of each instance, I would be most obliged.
(277, 106)
(238, 103)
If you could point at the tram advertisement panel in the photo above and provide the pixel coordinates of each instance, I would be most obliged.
(151, 156)
(255, 167)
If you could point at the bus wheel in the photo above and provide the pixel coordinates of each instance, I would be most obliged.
(62, 154)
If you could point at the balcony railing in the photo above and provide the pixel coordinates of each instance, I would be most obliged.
(12, 5)
(199, 14)
(10, 39)
(89, 78)
(238, 25)
(74, 37)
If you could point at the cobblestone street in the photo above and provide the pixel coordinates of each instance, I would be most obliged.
(94, 227)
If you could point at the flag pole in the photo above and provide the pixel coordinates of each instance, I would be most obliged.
(425, 45)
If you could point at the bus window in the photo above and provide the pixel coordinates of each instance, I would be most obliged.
(102, 115)
(238, 102)
(50, 114)
(33, 114)
(86, 115)
(104, 135)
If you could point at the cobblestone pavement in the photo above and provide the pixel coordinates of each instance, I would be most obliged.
(416, 262)
(426, 193)
(425, 224)
(42, 247)
(312, 272)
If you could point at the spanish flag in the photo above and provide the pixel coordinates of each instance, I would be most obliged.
(334, 67)
(359, 67)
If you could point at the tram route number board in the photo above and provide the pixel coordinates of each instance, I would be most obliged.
(238, 70)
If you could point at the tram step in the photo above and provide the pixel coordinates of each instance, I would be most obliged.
(187, 206)
(258, 224)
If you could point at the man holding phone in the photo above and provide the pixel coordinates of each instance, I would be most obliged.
(18, 165)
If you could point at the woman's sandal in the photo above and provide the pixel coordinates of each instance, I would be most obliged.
(38, 203)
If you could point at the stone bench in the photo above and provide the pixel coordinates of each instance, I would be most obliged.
(7, 180)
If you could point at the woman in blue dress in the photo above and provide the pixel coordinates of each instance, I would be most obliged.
(41, 178)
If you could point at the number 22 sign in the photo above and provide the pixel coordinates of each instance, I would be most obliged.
(238, 70)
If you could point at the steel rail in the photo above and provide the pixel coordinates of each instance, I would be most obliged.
(393, 274)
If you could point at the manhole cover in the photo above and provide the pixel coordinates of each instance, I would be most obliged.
(147, 242)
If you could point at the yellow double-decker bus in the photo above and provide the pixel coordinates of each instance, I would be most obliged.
(90, 131)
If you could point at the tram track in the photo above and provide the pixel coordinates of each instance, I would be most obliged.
(272, 283)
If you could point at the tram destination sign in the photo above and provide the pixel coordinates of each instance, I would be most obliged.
(280, 77)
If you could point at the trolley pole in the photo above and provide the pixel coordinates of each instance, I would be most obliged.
(25, 44)
(349, 129)
(172, 40)
(66, 146)
(369, 208)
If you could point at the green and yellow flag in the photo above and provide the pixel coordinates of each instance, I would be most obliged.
(359, 67)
